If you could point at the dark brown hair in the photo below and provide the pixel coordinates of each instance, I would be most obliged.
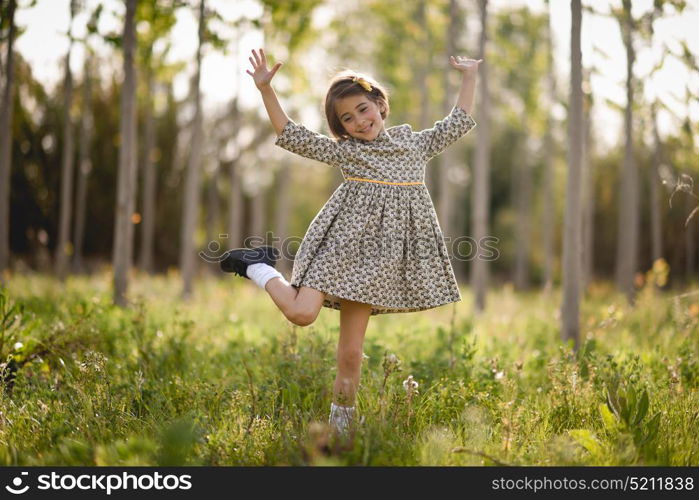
(347, 84)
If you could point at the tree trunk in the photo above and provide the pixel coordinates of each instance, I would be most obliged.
(588, 197)
(2, 61)
(190, 215)
(627, 234)
(570, 309)
(6, 112)
(235, 197)
(523, 187)
(213, 211)
(257, 223)
(148, 193)
(126, 182)
(86, 123)
(549, 206)
(235, 208)
(481, 175)
(63, 249)
(656, 228)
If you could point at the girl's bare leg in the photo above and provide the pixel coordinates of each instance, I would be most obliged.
(300, 305)
(354, 318)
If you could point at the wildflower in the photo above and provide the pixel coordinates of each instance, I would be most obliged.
(410, 385)
(391, 363)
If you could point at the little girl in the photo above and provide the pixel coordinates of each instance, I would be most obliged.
(344, 261)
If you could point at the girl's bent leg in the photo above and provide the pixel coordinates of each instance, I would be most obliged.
(300, 305)
(354, 318)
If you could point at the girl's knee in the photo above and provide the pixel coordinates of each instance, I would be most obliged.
(302, 317)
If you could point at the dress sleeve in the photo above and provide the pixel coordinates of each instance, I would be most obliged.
(433, 141)
(304, 142)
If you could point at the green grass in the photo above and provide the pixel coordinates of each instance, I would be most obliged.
(226, 380)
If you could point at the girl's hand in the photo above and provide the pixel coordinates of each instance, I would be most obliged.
(469, 67)
(261, 74)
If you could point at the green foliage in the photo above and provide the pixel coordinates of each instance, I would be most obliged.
(225, 380)
(630, 408)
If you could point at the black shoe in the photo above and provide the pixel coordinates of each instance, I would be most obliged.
(237, 260)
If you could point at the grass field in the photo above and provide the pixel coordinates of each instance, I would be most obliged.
(225, 380)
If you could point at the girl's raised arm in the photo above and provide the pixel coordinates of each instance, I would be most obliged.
(469, 70)
(263, 82)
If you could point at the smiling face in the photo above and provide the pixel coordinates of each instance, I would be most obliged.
(360, 116)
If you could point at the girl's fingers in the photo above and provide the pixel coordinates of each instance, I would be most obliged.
(248, 72)
(254, 64)
(263, 57)
(275, 68)
(257, 58)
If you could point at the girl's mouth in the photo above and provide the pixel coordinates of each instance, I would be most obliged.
(365, 130)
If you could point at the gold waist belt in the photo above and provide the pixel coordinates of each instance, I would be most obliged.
(384, 182)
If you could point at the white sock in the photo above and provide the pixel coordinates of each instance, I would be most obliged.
(341, 418)
(262, 273)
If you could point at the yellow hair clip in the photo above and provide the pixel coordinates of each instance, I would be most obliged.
(361, 81)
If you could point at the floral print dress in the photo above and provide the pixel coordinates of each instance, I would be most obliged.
(377, 239)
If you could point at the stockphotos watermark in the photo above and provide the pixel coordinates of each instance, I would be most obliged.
(462, 248)
(106, 483)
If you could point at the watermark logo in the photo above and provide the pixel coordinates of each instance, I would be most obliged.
(17, 483)
(394, 246)
(108, 483)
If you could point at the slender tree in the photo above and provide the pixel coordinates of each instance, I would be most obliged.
(570, 309)
(190, 214)
(6, 110)
(523, 187)
(64, 247)
(481, 172)
(588, 191)
(86, 133)
(85, 164)
(549, 161)
(235, 200)
(126, 181)
(148, 193)
(212, 217)
(654, 183)
(259, 212)
(628, 223)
